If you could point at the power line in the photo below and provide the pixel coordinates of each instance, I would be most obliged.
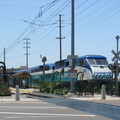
(15, 43)
(48, 19)
(94, 10)
(88, 7)
(62, 8)
(99, 22)
(101, 15)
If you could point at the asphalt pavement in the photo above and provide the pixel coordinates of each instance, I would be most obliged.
(92, 106)
(48, 108)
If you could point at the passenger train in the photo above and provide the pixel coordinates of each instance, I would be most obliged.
(89, 67)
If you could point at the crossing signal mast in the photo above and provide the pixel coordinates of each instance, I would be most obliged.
(115, 59)
(27, 47)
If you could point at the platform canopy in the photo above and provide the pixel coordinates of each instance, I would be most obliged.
(21, 74)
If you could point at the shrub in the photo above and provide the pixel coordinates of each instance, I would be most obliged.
(55, 87)
(4, 89)
(61, 91)
(44, 86)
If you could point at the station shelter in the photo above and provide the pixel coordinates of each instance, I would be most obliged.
(21, 79)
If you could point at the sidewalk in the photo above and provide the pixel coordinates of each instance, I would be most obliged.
(36, 96)
(95, 98)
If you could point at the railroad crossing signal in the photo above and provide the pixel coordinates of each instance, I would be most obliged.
(116, 54)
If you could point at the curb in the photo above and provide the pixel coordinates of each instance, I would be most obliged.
(21, 90)
(46, 95)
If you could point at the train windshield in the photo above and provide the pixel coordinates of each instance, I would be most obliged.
(91, 61)
(98, 61)
(105, 61)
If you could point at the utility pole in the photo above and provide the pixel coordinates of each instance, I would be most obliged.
(72, 30)
(72, 46)
(117, 38)
(27, 47)
(60, 36)
(72, 73)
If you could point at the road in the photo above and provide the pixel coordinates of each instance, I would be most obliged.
(57, 109)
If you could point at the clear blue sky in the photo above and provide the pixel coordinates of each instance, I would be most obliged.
(97, 23)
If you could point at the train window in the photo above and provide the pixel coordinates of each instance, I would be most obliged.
(91, 61)
(75, 62)
(98, 61)
(41, 68)
(59, 64)
(83, 63)
(104, 61)
(48, 75)
(34, 70)
(53, 67)
(67, 64)
(46, 67)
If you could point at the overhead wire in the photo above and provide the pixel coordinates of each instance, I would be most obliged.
(93, 22)
(46, 35)
(94, 11)
(50, 17)
(15, 43)
(98, 17)
(88, 7)
(83, 3)
(76, 8)
(47, 20)
(81, 18)
(41, 25)
(93, 25)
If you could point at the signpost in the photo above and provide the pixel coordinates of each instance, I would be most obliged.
(72, 73)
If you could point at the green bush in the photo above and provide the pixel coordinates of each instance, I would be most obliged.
(51, 87)
(44, 86)
(97, 90)
(61, 91)
(65, 91)
(58, 91)
(55, 87)
(4, 89)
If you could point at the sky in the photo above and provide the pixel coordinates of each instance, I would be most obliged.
(97, 23)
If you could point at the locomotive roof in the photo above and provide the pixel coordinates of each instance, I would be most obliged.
(93, 56)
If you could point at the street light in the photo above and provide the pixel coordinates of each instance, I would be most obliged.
(117, 38)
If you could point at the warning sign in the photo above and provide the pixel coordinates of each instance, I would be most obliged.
(72, 74)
